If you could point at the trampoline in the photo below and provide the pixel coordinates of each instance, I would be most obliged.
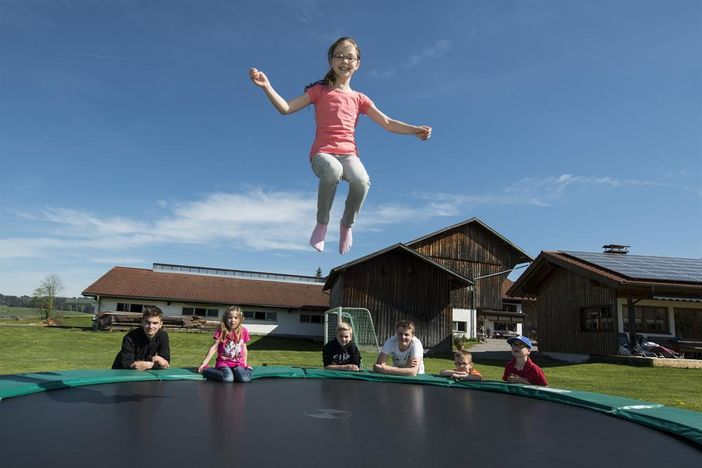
(311, 417)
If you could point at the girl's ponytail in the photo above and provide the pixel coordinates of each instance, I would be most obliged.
(328, 80)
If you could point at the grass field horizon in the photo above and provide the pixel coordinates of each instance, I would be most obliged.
(28, 346)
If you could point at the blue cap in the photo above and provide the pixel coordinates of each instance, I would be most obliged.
(523, 339)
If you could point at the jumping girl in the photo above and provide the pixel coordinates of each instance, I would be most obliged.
(230, 345)
(334, 155)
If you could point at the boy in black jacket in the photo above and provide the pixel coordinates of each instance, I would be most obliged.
(145, 347)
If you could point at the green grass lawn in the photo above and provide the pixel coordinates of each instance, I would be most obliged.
(31, 348)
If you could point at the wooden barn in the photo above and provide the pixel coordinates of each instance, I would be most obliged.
(583, 300)
(473, 250)
(398, 283)
(461, 267)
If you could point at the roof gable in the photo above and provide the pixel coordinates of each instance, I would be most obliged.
(476, 221)
(335, 272)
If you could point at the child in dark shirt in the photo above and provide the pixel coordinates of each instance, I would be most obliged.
(342, 353)
(146, 347)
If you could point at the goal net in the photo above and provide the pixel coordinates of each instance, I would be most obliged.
(360, 320)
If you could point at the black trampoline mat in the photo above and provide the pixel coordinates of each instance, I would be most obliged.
(318, 422)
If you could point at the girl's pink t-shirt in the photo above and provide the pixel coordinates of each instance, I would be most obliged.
(336, 113)
(229, 351)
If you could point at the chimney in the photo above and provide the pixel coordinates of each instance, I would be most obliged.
(616, 249)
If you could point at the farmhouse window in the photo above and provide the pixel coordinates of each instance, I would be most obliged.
(460, 326)
(648, 319)
(688, 323)
(597, 318)
(309, 318)
(200, 312)
(124, 307)
(265, 316)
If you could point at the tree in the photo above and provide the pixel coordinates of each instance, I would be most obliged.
(46, 293)
(318, 273)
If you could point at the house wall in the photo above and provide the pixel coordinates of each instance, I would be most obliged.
(493, 322)
(398, 286)
(531, 322)
(287, 321)
(467, 316)
(561, 296)
(472, 252)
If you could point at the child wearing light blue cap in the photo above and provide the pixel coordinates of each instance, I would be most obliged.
(521, 369)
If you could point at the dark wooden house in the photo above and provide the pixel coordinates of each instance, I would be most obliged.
(583, 299)
(473, 250)
(396, 284)
(460, 267)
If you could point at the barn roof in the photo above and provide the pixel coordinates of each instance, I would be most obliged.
(619, 271)
(525, 257)
(334, 273)
(158, 285)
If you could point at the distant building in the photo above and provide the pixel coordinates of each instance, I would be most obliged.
(276, 304)
(583, 300)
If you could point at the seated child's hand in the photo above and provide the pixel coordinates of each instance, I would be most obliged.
(202, 368)
(378, 367)
(160, 361)
(514, 379)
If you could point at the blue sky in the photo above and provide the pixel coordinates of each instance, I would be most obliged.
(130, 133)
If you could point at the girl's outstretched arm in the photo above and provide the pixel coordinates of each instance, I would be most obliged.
(422, 132)
(211, 352)
(245, 354)
(284, 107)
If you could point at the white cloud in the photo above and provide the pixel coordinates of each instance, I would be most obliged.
(307, 11)
(118, 260)
(382, 74)
(535, 191)
(91, 55)
(256, 220)
(260, 220)
(434, 51)
(30, 247)
(543, 191)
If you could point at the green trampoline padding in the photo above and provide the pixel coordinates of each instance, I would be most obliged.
(683, 423)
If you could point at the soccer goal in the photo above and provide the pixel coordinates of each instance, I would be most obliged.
(360, 320)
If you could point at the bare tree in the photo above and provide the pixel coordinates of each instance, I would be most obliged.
(46, 293)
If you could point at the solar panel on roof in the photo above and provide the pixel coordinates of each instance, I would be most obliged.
(645, 267)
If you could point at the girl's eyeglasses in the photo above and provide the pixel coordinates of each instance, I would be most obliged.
(342, 57)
